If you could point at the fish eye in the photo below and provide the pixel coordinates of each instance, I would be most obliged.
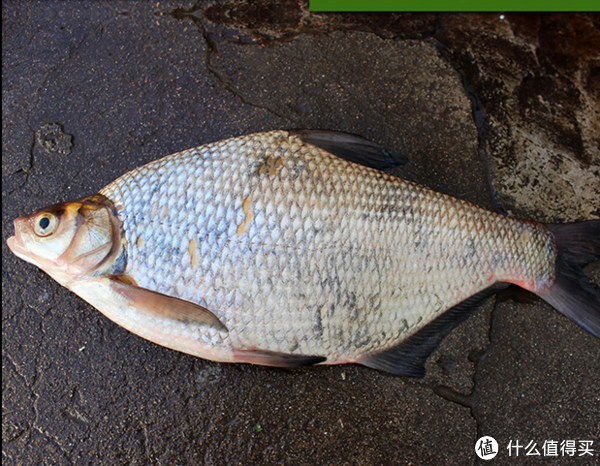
(45, 224)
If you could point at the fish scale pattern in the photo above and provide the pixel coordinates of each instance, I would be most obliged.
(298, 251)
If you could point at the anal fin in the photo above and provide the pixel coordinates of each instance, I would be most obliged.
(275, 359)
(408, 358)
(152, 302)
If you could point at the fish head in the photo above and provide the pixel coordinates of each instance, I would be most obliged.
(69, 241)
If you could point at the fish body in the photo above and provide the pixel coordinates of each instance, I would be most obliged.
(276, 248)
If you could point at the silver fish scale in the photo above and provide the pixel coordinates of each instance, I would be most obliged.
(298, 251)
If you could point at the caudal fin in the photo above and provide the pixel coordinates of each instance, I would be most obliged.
(572, 294)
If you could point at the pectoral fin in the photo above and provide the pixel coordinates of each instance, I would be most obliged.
(164, 306)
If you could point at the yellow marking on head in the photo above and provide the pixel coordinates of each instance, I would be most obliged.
(194, 256)
(140, 242)
(247, 207)
(72, 208)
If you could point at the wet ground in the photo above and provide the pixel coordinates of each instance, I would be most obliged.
(502, 111)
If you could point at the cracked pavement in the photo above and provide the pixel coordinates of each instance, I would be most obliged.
(469, 98)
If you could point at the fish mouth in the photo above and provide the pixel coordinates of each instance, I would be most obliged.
(17, 246)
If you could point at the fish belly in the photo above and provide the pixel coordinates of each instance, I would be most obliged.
(300, 252)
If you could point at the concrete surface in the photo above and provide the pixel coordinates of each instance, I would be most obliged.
(502, 112)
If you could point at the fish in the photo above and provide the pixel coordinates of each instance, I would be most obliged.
(294, 248)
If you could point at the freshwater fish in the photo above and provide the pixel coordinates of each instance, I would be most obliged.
(291, 248)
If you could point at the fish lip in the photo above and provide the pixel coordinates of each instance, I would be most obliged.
(16, 245)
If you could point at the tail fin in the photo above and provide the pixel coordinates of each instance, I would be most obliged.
(578, 244)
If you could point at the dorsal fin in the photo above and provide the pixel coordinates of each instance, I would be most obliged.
(408, 358)
(352, 148)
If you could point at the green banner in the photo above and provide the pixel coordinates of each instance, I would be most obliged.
(455, 5)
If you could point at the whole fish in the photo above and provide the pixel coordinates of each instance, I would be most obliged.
(290, 248)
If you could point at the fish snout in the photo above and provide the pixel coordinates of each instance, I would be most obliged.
(15, 243)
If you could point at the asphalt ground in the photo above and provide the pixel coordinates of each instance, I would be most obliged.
(498, 111)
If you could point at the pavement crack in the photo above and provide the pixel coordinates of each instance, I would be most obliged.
(212, 50)
(18, 371)
(147, 442)
(464, 400)
(54, 441)
(480, 116)
(36, 424)
(469, 400)
(30, 162)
